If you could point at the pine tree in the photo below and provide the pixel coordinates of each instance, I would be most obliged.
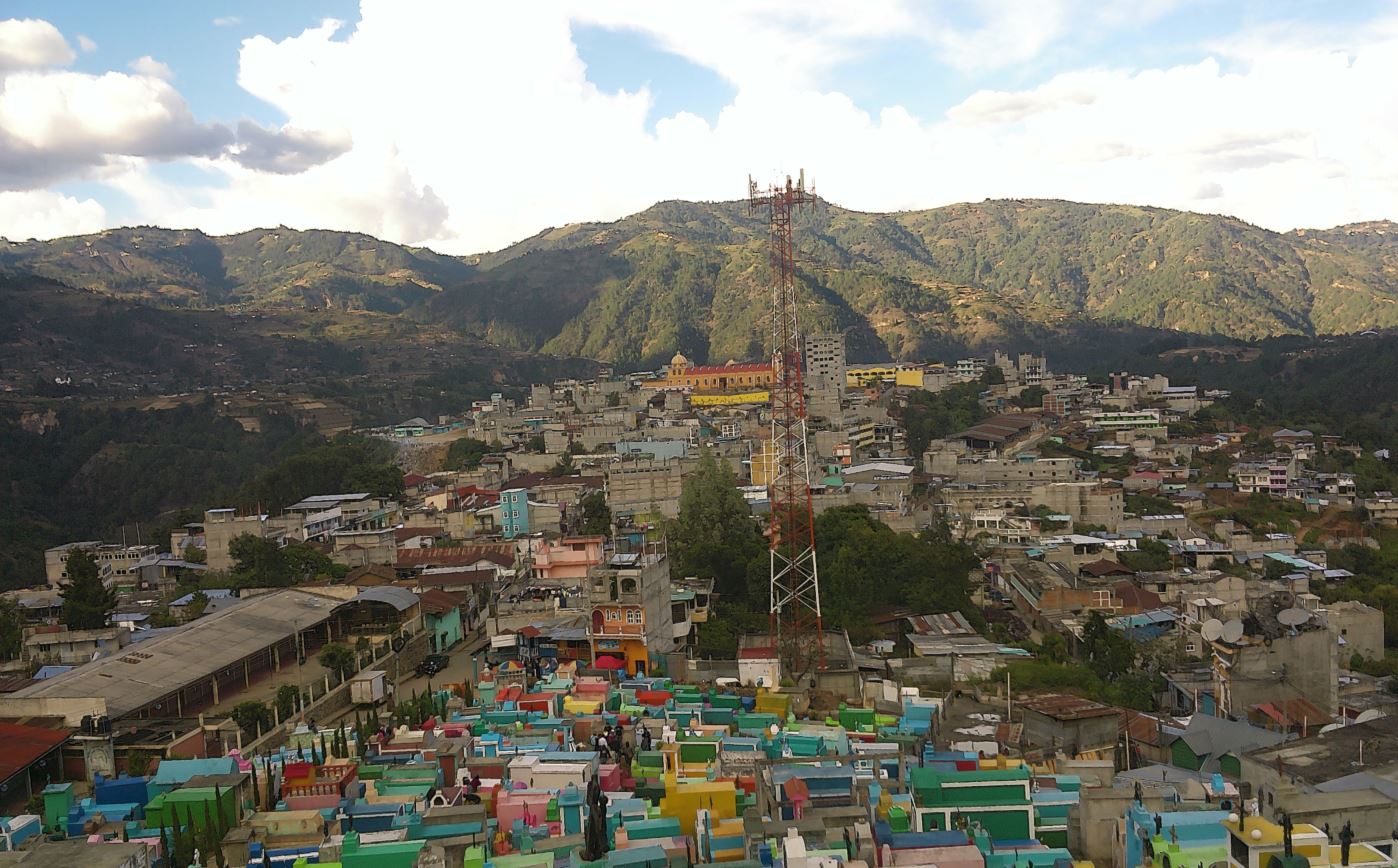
(165, 844)
(87, 602)
(271, 785)
(207, 833)
(256, 790)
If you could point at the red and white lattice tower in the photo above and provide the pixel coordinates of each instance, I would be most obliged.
(795, 591)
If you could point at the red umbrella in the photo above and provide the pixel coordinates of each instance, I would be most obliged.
(607, 661)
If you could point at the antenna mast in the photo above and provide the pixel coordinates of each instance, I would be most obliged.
(795, 621)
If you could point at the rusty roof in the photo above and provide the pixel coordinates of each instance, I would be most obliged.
(1065, 706)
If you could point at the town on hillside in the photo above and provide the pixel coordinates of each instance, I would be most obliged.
(1062, 621)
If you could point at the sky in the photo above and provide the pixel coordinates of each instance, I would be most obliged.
(466, 125)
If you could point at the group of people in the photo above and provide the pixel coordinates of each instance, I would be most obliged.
(610, 743)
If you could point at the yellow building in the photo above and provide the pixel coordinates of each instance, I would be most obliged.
(731, 377)
(892, 375)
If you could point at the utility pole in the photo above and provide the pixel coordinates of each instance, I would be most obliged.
(794, 613)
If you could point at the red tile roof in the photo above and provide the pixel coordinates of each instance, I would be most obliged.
(457, 556)
(403, 534)
(21, 746)
(435, 601)
(745, 368)
(452, 579)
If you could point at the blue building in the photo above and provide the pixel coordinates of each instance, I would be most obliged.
(514, 512)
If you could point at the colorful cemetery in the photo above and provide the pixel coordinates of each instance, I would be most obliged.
(576, 770)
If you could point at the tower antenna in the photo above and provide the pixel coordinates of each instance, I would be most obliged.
(794, 616)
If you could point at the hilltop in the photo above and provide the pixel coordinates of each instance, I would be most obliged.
(1076, 278)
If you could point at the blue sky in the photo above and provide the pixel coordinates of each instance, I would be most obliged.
(467, 126)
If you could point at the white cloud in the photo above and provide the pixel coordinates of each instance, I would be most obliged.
(46, 214)
(86, 44)
(61, 124)
(468, 126)
(148, 65)
(28, 43)
(227, 21)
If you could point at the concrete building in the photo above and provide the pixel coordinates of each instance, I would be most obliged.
(646, 488)
(1069, 723)
(220, 528)
(1087, 502)
(74, 647)
(113, 561)
(630, 618)
(825, 377)
(1259, 669)
(1357, 628)
(571, 557)
(1125, 420)
(1320, 779)
(1026, 468)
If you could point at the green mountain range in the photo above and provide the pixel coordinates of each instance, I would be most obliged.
(1073, 278)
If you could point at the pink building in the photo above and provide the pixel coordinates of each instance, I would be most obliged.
(567, 558)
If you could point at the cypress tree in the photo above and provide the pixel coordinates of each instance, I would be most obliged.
(271, 785)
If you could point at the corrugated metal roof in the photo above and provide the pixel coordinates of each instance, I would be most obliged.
(21, 746)
(399, 598)
(193, 652)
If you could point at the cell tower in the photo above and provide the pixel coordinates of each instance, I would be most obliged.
(795, 591)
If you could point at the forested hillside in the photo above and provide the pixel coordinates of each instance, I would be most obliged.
(1080, 279)
(113, 474)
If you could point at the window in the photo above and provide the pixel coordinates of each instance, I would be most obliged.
(613, 615)
(633, 616)
(628, 586)
(1190, 648)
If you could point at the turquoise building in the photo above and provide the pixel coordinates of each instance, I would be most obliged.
(514, 512)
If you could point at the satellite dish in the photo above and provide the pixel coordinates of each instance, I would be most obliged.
(1331, 727)
(1212, 630)
(1293, 617)
(1232, 631)
(1366, 716)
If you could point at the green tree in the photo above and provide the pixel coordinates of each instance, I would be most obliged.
(337, 657)
(198, 602)
(287, 695)
(564, 466)
(257, 562)
(932, 415)
(465, 454)
(11, 629)
(87, 602)
(1150, 556)
(1107, 652)
(596, 515)
(137, 762)
(1032, 397)
(304, 563)
(194, 554)
(253, 716)
(715, 534)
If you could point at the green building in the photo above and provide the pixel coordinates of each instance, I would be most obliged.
(999, 799)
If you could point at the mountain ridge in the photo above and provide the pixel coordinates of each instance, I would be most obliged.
(691, 276)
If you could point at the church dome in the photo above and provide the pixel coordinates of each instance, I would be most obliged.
(679, 361)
